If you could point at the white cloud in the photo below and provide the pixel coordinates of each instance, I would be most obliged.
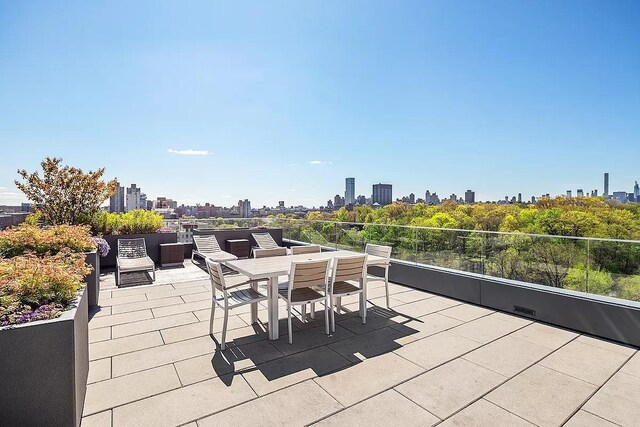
(320, 162)
(190, 152)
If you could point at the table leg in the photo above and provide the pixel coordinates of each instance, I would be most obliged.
(254, 306)
(274, 333)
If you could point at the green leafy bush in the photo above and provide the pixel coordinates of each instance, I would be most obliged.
(630, 288)
(36, 288)
(599, 283)
(137, 221)
(49, 240)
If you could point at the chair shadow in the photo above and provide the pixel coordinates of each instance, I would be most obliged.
(351, 343)
(135, 278)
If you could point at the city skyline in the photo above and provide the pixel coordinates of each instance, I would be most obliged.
(530, 99)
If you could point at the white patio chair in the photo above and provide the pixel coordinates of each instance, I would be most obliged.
(264, 253)
(229, 299)
(307, 249)
(383, 252)
(346, 270)
(132, 256)
(265, 241)
(207, 247)
(307, 284)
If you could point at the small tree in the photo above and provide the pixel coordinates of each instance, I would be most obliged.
(66, 195)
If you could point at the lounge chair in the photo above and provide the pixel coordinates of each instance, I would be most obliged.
(265, 241)
(207, 247)
(132, 256)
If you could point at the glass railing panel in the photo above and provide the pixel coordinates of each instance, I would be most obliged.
(458, 250)
(400, 238)
(350, 237)
(614, 269)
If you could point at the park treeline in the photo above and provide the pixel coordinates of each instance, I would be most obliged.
(610, 268)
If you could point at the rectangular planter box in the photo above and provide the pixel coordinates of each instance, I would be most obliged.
(93, 279)
(151, 240)
(43, 369)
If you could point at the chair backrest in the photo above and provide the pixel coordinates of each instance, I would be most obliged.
(307, 249)
(378, 250)
(215, 275)
(264, 253)
(206, 244)
(265, 240)
(306, 274)
(132, 248)
(349, 268)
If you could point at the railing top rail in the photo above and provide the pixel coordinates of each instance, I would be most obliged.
(505, 233)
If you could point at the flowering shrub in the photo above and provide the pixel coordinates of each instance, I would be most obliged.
(50, 240)
(102, 245)
(36, 288)
(137, 221)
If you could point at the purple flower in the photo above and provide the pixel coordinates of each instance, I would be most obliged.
(102, 245)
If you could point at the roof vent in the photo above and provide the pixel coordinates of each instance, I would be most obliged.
(524, 310)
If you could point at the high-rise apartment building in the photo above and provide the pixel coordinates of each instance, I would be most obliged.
(350, 191)
(143, 201)
(132, 199)
(636, 192)
(116, 202)
(568, 193)
(519, 197)
(606, 184)
(382, 194)
(412, 198)
(469, 196)
(244, 208)
(580, 192)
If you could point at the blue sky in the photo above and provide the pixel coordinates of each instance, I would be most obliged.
(286, 99)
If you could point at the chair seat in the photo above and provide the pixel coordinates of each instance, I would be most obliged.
(345, 288)
(300, 294)
(243, 296)
(220, 256)
(135, 264)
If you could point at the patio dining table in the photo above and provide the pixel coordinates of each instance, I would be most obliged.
(272, 268)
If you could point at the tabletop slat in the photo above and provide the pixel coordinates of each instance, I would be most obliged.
(262, 268)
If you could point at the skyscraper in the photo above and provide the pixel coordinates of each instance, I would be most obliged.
(427, 198)
(116, 202)
(636, 192)
(382, 194)
(606, 184)
(580, 192)
(568, 193)
(469, 196)
(132, 200)
(244, 208)
(519, 197)
(350, 191)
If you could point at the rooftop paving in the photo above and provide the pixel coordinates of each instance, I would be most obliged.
(428, 360)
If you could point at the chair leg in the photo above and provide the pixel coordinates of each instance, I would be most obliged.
(386, 284)
(333, 315)
(213, 312)
(154, 274)
(339, 304)
(313, 310)
(363, 302)
(326, 315)
(224, 328)
(304, 313)
(289, 320)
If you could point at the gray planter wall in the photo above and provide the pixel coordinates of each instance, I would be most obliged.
(93, 279)
(151, 240)
(240, 233)
(43, 370)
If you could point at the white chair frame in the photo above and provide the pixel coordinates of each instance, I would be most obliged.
(383, 252)
(228, 300)
(351, 268)
(307, 276)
